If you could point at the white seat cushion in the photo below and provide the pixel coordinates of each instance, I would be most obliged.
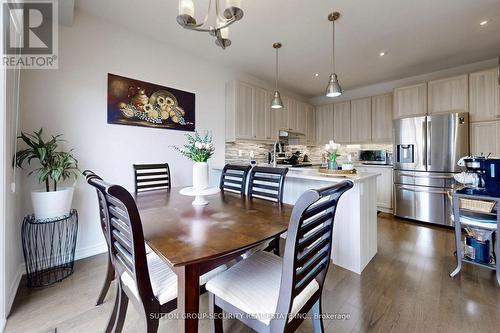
(163, 279)
(253, 286)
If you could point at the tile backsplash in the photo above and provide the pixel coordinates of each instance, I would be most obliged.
(239, 151)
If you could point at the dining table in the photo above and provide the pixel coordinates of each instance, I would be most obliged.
(194, 240)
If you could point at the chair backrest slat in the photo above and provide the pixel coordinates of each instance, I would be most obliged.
(150, 177)
(267, 183)
(308, 246)
(234, 178)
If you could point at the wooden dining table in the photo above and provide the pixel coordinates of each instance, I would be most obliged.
(193, 240)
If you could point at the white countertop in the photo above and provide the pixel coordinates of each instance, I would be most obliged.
(311, 173)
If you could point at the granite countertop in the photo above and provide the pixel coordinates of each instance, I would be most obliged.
(311, 173)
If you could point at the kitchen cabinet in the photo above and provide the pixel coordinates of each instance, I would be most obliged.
(449, 94)
(301, 122)
(361, 120)
(484, 93)
(248, 115)
(382, 118)
(485, 138)
(385, 185)
(279, 118)
(324, 124)
(310, 125)
(342, 122)
(410, 101)
(291, 107)
(262, 115)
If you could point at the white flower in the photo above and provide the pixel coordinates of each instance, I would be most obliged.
(198, 145)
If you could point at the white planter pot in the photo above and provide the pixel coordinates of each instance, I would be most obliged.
(200, 175)
(53, 204)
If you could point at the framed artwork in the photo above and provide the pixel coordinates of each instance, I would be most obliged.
(138, 103)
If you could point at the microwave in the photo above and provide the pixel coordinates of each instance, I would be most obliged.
(374, 157)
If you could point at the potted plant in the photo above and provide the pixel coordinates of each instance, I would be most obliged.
(331, 151)
(55, 166)
(198, 149)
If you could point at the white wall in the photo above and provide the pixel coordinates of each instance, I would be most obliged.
(72, 101)
(385, 87)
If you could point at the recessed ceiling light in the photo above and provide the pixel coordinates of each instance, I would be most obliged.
(483, 22)
(316, 75)
(382, 53)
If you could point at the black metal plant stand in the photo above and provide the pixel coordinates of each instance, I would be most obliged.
(49, 248)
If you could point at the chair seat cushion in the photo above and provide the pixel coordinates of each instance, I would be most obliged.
(163, 279)
(253, 286)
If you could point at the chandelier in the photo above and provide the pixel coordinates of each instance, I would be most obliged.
(225, 16)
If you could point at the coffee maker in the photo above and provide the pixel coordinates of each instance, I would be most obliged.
(483, 176)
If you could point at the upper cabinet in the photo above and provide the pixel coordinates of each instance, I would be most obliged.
(382, 118)
(485, 138)
(342, 122)
(450, 94)
(247, 112)
(484, 92)
(361, 120)
(291, 106)
(310, 120)
(410, 101)
(324, 124)
(301, 122)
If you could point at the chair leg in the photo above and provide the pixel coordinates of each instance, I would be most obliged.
(217, 313)
(122, 312)
(110, 275)
(152, 325)
(112, 318)
(277, 245)
(317, 317)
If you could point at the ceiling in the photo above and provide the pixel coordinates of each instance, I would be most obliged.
(419, 37)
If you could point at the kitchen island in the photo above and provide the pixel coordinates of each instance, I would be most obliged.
(355, 226)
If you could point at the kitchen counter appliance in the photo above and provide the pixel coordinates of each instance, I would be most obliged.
(374, 157)
(426, 151)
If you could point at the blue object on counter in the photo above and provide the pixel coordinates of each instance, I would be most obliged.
(481, 249)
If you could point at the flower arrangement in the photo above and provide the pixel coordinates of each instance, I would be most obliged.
(199, 147)
(331, 151)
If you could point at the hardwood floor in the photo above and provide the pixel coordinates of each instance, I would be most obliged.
(406, 288)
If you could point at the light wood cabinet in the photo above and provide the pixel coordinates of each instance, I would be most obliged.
(361, 120)
(261, 115)
(342, 122)
(384, 186)
(310, 125)
(279, 119)
(484, 93)
(301, 122)
(485, 138)
(382, 118)
(248, 114)
(291, 107)
(410, 101)
(450, 94)
(324, 124)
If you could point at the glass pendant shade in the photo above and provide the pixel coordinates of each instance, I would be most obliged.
(277, 103)
(333, 89)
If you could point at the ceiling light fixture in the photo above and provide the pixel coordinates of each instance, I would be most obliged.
(316, 75)
(483, 22)
(333, 89)
(277, 103)
(383, 53)
(232, 13)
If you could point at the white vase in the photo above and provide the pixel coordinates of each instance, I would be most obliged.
(47, 205)
(200, 175)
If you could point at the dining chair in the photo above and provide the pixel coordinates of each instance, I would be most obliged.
(145, 279)
(103, 216)
(234, 178)
(267, 183)
(150, 177)
(273, 295)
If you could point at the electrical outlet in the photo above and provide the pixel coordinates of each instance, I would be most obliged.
(13, 187)
(240, 153)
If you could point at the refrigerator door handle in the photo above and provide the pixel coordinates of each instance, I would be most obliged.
(428, 145)
(426, 176)
(425, 142)
(413, 189)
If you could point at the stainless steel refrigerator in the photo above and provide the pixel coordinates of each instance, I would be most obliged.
(426, 151)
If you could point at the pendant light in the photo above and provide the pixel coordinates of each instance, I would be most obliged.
(277, 103)
(333, 89)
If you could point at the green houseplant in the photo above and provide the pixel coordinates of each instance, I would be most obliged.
(54, 166)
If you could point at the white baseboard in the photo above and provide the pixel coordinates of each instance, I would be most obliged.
(81, 253)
